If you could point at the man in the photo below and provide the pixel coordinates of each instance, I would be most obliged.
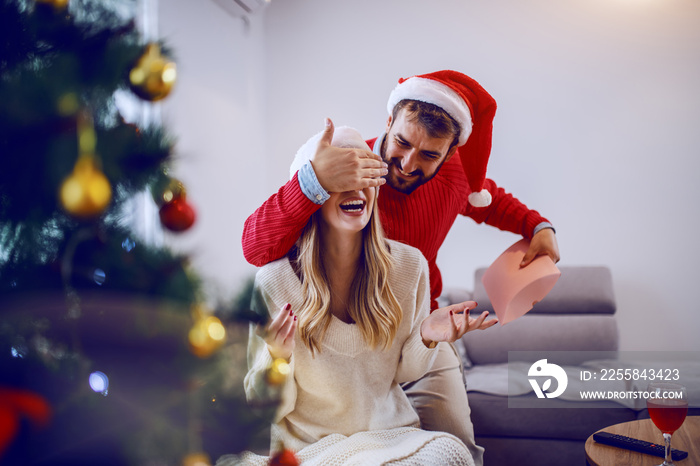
(432, 118)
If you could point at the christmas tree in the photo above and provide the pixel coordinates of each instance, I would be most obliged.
(71, 165)
(108, 352)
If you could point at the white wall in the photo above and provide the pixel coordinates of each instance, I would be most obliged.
(596, 127)
(216, 112)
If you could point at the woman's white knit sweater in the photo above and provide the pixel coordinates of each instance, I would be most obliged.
(347, 387)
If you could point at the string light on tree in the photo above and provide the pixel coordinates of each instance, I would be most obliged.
(58, 5)
(153, 76)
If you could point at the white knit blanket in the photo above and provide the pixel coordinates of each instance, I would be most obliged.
(403, 446)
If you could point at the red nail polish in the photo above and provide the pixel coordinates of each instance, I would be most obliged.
(287, 306)
(295, 317)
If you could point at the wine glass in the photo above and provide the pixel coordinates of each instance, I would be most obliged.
(668, 406)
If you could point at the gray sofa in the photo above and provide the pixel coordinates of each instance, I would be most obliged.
(577, 315)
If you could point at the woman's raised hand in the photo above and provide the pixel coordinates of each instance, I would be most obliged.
(279, 333)
(452, 322)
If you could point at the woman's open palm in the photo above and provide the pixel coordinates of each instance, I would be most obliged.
(452, 322)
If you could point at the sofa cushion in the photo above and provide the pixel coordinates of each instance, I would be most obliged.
(538, 332)
(580, 290)
(567, 420)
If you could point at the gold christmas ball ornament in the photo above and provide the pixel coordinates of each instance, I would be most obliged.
(168, 190)
(207, 334)
(153, 76)
(277, 372)
(175, 189)
(86, 192)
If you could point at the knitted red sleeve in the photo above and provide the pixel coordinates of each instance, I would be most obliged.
(271, 231)
(505, 212)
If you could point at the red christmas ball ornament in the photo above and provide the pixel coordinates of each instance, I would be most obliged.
(176, 214)
(284, 458)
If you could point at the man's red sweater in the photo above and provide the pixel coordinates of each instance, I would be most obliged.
(421, 219)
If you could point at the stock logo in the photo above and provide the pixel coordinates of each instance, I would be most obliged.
(544, 370)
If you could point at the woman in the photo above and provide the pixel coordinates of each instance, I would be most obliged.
(353, 323)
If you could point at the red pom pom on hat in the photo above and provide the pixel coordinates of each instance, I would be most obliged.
(471, 106)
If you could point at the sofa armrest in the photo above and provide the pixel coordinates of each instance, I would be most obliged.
(453, 296)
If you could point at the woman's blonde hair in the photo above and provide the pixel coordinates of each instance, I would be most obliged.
(373, 306)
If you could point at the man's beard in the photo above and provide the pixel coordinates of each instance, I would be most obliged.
(401, 184)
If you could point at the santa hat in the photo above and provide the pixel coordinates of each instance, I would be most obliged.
(343, 136)
(473, 109)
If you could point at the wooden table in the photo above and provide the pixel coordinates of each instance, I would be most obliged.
(686, 438)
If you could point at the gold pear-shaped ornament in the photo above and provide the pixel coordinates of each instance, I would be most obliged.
(86, 192)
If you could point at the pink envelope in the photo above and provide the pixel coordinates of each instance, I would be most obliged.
(514, 290)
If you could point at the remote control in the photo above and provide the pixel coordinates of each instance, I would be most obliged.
(637, 445)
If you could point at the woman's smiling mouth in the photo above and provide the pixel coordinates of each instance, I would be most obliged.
(353, 206)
